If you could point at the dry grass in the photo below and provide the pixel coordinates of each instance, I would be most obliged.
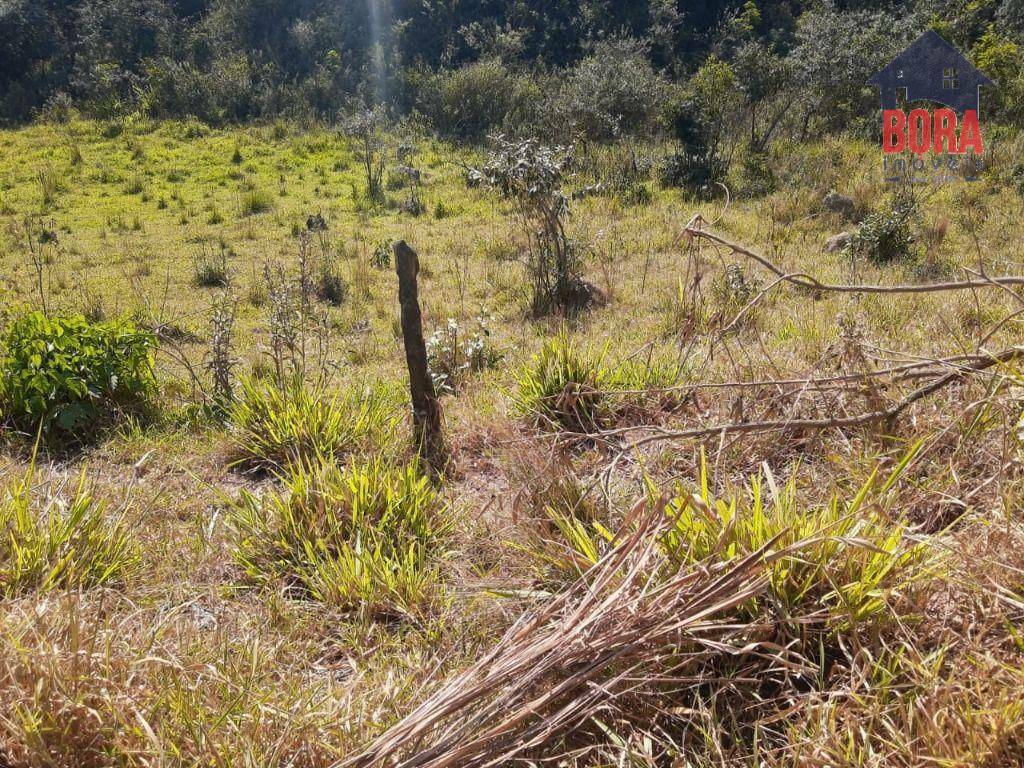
(754, 616)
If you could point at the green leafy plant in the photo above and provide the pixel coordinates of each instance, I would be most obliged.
(451, 357)
(381, 257)
(531, 175)
(51, 540)
(210, 268)
(274, 427)
(364, 538)
(67, 374)
(885, 236)
(561, 529)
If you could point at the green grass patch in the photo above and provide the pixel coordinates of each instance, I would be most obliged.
(276, 426)
(50, 541)
(364, 538)
(567, 386)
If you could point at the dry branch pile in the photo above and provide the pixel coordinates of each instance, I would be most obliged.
(606, 649)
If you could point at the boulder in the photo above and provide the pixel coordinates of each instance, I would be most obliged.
(838, 242)
(844, 205)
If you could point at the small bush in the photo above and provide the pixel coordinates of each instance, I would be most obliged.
(381, 257)
(611, 92)
(257, 201)
(136, 185)
(274, 427)
(451, 358)
(59, 543)
(885, 236)
(696, 172)
(469, 102)
(50, 184)
(331, 286)
(68, 374)
(531, 175)
(363, 538)
(561, 528)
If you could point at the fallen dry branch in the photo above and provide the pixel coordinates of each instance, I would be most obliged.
(694, 231)
(618, 630)
(979, 364)
(884, 415)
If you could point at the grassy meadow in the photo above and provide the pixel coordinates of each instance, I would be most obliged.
(265, 578)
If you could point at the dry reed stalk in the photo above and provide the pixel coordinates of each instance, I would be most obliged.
(628, 626)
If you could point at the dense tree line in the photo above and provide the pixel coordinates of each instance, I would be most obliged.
(593, 68)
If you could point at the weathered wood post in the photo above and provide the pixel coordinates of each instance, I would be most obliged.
(426, 410)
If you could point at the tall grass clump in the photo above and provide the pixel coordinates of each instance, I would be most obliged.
(210, 269)
(573, 388)
(53, 541)
(843, 563)
(68, 376)
(277, 425)
(257, 201)
(363, 538)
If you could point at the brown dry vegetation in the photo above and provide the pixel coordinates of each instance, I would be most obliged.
(786, 532)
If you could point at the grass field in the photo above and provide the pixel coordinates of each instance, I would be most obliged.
(221, 614)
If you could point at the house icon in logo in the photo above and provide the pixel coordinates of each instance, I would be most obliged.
(933, 70)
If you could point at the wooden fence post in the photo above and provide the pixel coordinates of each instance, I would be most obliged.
(426, 410)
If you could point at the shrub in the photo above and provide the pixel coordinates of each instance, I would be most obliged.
(257, 201)
(613, 91)
(60, 543)
(469, 102)
(852, 561)
(703, 119)
(531, 175)
(885, 236)
(364, 537)
(68, 374)
(365, 130)
(381, 257)
(561, 528)
(331, 286)
(274, 427)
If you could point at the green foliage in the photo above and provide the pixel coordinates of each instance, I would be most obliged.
(452, 357)
(381, 256)
(365, 130)
(274, 427)
(210, 269)
(561, 529)
(885, 236)
(469, 102)
(366, 537)
(257, 201)
(67, 374)
(59, 543)
(842, 563)
(701, 120)
(612, 92)
(999, 57)
(531, 175)
(565, 387)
